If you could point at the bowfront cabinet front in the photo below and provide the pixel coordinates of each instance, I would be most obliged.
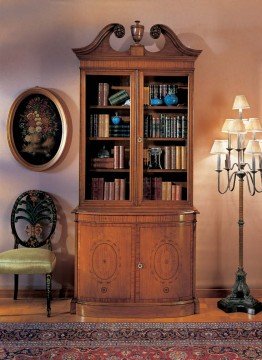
(135, 223)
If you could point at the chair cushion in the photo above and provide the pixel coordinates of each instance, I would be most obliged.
(27, 261)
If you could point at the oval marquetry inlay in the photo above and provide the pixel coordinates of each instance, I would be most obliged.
(166, 261)
(104, 261)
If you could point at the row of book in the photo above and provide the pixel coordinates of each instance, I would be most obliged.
(165, 126)
(175, 157)
(159, 91)
(108, 190)
(157, 189)
(100, 127)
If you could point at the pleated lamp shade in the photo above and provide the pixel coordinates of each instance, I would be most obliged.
(237, 126)
(253, 125)
(253, 147)
(219, 147)
(240, 103)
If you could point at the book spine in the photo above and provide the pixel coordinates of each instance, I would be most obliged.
(168, 190)
(164, 190)
(184, 127)
(95, 130)
(102, 166)
(121, 164)
(106, 190)
(100, 189)
(179, 127)
(106, 125)
(117, 189)
(105, 93)
(116, 156)
(178, 157)
(94, 189)
(122, 189)
(100, 94)
(173, 192)
(111, 190)
(147, 188)
(178, 192)
(173, 157)
(158, 188)
(183, 158)
(167, 157)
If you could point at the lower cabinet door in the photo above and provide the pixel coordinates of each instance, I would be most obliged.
(104, 263)
(164, 263)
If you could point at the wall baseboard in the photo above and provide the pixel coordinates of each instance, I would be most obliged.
(65, 293)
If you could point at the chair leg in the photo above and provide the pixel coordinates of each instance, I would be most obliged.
(48, 293)
(15, 286)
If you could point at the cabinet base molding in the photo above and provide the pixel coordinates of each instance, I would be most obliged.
(149, 310)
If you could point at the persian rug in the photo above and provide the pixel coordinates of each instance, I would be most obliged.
(131, 341)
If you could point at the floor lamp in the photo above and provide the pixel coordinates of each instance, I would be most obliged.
(240, 299)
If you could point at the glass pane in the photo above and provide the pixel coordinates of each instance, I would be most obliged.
(107, 137)
(165, 158)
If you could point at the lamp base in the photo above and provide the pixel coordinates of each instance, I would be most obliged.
(240, 300)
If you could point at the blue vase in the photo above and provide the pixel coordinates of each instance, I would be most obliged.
(116, 119)
(171, 99)
(156, 101)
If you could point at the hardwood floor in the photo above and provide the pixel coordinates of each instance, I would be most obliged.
(34, 310)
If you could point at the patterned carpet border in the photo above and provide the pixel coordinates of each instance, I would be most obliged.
(136, 334)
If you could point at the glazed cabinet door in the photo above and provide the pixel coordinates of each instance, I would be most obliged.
(165, 128)
(165, 262)
(106, 154)
(104, 263)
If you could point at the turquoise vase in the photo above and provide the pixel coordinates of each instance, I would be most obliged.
(116, 119)
(171, 99)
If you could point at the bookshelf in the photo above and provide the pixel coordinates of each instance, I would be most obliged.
(135, 223)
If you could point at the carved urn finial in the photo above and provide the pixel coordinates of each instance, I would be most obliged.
(137, 32)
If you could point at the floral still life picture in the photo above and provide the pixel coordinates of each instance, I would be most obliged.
(37, 128)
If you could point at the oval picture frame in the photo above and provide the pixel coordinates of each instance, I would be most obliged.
(37, 128)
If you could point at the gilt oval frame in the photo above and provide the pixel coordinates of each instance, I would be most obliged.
(37, 139)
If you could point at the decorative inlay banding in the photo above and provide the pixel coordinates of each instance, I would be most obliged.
(104, 261)
(166, 261)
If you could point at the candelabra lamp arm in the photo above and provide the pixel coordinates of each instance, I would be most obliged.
(229, 178)
(232, 167)
(232, 181)
(251, 178)
(251, 183)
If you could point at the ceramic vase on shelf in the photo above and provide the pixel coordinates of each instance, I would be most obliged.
(116, 119)
(171, 98)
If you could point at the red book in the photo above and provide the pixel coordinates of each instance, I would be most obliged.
(116, 156)
(94, 189)
(121, 157)
(147, 188)
(158, 188)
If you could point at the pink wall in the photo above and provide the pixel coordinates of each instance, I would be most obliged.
(36, 41)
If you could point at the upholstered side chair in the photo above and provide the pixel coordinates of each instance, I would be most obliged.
(33, 223)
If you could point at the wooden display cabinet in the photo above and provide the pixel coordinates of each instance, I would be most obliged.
(135, 223)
